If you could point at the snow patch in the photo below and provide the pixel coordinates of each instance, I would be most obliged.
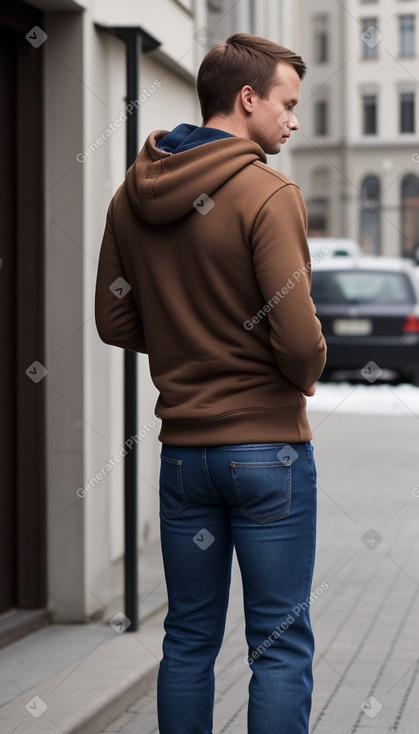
(380, 399)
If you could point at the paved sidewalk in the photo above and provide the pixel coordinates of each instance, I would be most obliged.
(75, 678)
(367, 636)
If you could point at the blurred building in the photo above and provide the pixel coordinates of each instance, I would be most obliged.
(356, 156)
(63, 82)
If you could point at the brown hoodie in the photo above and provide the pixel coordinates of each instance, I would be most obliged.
(210, 246)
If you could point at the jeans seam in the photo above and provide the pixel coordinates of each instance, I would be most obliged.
(206, 472)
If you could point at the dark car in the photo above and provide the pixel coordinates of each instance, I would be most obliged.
(369, 310)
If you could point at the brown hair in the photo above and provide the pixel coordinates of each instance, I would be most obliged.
(230, 65)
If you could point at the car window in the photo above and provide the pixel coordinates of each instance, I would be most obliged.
(361, 286)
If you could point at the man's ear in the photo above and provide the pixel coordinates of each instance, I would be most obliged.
(247, 95)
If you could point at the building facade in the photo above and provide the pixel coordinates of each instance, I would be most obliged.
(356, 155)
(62, 427)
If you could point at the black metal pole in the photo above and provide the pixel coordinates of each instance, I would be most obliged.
(133, 44)
(137, 41)
(130, 493)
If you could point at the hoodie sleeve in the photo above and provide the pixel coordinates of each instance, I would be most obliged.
(282, 265)
(118, 320)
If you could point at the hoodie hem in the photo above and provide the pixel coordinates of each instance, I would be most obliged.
(287, 425)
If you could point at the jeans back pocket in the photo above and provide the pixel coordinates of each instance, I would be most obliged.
(263, 489)
(172, 495)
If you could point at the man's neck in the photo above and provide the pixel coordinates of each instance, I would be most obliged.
(228, 124)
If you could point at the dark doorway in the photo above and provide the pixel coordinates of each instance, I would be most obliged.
(7, 325)
(22, 399)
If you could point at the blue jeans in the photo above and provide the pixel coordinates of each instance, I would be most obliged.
(262, 499)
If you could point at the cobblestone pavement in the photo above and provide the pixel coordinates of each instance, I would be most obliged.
(366, 622)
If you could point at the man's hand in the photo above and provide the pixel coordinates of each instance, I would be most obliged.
(310, 392)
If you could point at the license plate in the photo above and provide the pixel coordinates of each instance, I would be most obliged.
(352, 327)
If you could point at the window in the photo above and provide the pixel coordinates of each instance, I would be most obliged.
(410, 214)
(370, 38)
(321, 38)
(361, 287)
(369, 114)
(407, 112)
(320, 118)
(318, 217)
(406, 35)
(370, 217)
(318, 206)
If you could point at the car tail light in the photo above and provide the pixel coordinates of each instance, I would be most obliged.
(411, 325)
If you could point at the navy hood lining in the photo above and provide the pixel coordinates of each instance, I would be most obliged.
(186, 136)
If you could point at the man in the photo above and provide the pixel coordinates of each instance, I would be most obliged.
(213, 244)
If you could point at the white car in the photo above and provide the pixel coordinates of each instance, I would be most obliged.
(321, 247)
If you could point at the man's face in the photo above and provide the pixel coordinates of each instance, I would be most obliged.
(272, 120)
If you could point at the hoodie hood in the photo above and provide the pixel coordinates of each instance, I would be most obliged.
(185, 136)
(163, 185)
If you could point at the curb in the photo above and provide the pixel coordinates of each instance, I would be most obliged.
(85, 697)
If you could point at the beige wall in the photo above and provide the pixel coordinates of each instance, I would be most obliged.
(84, 92)
(64, 314)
